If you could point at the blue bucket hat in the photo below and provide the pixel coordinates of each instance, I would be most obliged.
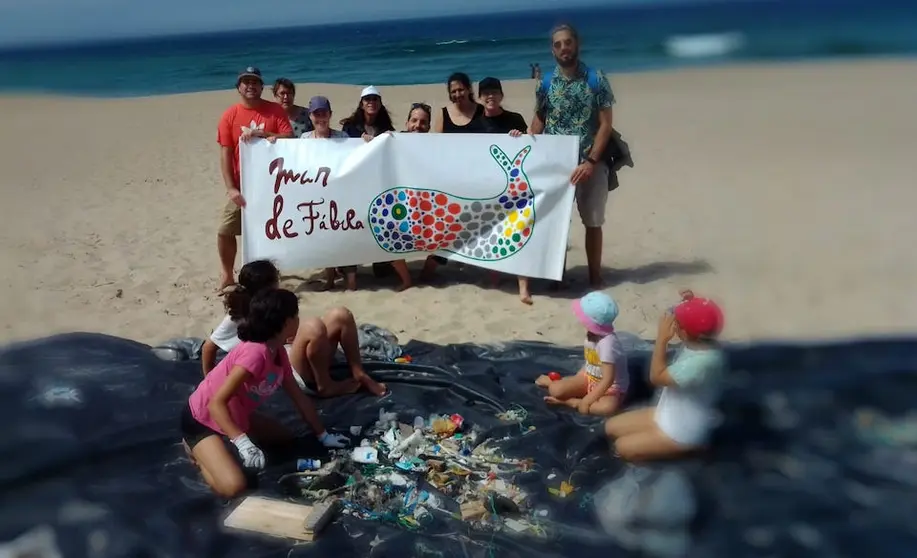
(597, 312)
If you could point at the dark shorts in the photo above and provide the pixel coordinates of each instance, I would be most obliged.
(193, 431)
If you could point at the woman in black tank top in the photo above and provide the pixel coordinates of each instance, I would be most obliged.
(465, 115)
(471, 113)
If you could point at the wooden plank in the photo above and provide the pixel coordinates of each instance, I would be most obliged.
(277, 518)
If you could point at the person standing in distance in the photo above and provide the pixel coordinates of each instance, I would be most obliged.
(252, 117)
(577, 100)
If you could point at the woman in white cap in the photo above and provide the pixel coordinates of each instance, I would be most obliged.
(371, 119)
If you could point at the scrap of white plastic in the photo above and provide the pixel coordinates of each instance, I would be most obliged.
(40, 542)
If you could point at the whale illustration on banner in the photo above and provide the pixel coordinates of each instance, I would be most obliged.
(406, 219)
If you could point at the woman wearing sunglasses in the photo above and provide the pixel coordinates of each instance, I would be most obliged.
(285, 94)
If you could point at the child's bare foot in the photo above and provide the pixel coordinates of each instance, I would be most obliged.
(543, 381)
(343, 387)
(376, 388)
(526, 298)
(351, 282)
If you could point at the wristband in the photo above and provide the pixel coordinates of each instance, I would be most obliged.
(323, 436)
(591, 161)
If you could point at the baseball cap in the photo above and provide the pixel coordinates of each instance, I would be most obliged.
(700, 318)
(250, 71)
(369, 91)
(319, 103)
(490, 84)
(597, 312)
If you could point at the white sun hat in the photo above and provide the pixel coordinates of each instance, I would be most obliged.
(371, 90)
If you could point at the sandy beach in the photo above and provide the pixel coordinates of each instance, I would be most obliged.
(783, 191)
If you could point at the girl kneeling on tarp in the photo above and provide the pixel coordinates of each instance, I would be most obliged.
(685, 415)
(311, 350)
(223, 405)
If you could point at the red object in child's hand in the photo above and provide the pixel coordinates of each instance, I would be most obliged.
(554, 376)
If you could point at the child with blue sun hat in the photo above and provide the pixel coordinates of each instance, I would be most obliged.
(600, 385)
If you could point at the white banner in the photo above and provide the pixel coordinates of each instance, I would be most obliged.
(496, 202)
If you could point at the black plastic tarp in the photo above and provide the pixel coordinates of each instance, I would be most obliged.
(90, 448)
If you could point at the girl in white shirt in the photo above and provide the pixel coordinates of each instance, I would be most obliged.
(686, 414)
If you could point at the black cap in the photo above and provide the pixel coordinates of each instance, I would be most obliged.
(251, 71)
(490, 84)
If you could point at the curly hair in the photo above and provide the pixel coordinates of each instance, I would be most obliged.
(254, 277)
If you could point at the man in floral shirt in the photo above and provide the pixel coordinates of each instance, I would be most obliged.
(576, 100)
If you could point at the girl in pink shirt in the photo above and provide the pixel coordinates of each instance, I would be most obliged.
(224, 403)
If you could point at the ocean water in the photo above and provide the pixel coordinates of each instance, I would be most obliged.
(427, 51)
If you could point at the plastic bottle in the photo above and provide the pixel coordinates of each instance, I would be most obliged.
(422, 514)
(406, 444)
(418, 423)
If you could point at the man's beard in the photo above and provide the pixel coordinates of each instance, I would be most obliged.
(574, 60)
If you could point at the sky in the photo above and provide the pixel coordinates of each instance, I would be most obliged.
(31, 22)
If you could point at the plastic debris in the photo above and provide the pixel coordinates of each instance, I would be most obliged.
(515, 413)
(308, 464)
(407, 474)
(366, 454)
(563, 491)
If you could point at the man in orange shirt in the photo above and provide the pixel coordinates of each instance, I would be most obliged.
(252, 117)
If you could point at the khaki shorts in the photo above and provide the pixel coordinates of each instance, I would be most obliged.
(591, 197)
(230, 220)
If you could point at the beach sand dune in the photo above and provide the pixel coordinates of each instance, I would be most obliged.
(785, 191)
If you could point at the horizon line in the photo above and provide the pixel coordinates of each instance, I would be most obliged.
(626, 5)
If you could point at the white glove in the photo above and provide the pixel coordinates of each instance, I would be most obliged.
(333, 440)
(252, 456)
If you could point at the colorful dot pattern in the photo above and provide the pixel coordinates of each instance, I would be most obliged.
(405, 219)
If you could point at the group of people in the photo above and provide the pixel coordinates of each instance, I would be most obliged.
(268, 346)
(572, 100)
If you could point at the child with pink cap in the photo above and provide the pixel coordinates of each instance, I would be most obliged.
(600, 385)
(681, 421)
